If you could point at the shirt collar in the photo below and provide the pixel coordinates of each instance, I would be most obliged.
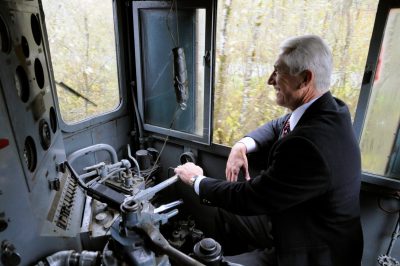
(298, 113)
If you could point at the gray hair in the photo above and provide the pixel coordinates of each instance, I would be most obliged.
(309, 52)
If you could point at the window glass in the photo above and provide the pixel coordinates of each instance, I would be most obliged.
(160, 29)
(381, 129)
(82, 44)
(158, 82)
(248, 37)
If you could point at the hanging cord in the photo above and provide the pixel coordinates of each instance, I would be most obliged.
(176, 17)
(175, 116)
(138, 117)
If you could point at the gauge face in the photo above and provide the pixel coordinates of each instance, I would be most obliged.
(22, 84)
(30, 155)
(45, 134)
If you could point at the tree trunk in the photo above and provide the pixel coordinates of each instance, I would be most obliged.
(222, 75)
(251, 58)
(85, 75)
(349, 31)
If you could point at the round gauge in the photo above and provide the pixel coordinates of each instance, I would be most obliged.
(22, 84)
(30, 155)
(5, 41)
(39, 73)
(44, 134)
(36, 31)
(53, 119)
(25, 46)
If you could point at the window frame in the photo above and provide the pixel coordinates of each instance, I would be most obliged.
(208, 66)
(377, 37)
(121, 54)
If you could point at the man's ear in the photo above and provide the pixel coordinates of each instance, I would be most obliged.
(308, 77)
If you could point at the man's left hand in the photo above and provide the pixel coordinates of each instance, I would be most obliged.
(187, 171)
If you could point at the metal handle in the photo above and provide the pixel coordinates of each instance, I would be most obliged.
(151, 191)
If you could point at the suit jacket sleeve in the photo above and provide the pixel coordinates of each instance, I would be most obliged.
(266, 135)
(296, 172)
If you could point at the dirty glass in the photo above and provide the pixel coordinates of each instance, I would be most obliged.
(161, 29)
(380, 150)
(160, 104)
(83, 54)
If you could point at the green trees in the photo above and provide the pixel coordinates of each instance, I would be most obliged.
(248, 38)
(82, 45)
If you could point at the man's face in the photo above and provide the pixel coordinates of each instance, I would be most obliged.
(287, 86)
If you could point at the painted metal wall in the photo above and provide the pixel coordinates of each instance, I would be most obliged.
(31, 181)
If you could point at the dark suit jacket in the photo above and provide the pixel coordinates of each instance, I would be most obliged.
(310, 187)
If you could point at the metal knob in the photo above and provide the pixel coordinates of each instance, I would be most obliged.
(208, 251)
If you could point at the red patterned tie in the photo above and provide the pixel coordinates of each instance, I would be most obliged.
(286, 128)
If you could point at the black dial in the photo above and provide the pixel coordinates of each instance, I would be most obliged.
(44, 133)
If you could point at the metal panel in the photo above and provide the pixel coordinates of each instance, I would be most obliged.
(28, 113)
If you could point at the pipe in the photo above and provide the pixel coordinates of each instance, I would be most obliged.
(60, 258)
(72, 258)
(134, 160)
(97, 147)
(110, 174)
(88, 174)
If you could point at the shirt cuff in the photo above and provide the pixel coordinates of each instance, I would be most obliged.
(196, 184)
(250, 144)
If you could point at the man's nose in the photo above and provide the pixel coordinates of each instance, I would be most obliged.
(271, 79)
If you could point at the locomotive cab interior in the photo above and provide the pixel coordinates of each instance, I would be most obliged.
(101, 100)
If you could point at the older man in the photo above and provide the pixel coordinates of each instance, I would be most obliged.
(311, 182)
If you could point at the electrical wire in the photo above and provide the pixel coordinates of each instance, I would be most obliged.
(175, 42)
(169, 29)
(176, 17)
(138, 117)
(175, 116)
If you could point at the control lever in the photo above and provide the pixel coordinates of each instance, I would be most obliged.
(148, 193)
(168, 206)
(158, 239)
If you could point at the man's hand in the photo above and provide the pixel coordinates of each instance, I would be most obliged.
(187, 171)
(237, 160)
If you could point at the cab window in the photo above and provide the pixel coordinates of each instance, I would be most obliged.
(248, 38)
(380, 139)
(160, 28)
(83, 54)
